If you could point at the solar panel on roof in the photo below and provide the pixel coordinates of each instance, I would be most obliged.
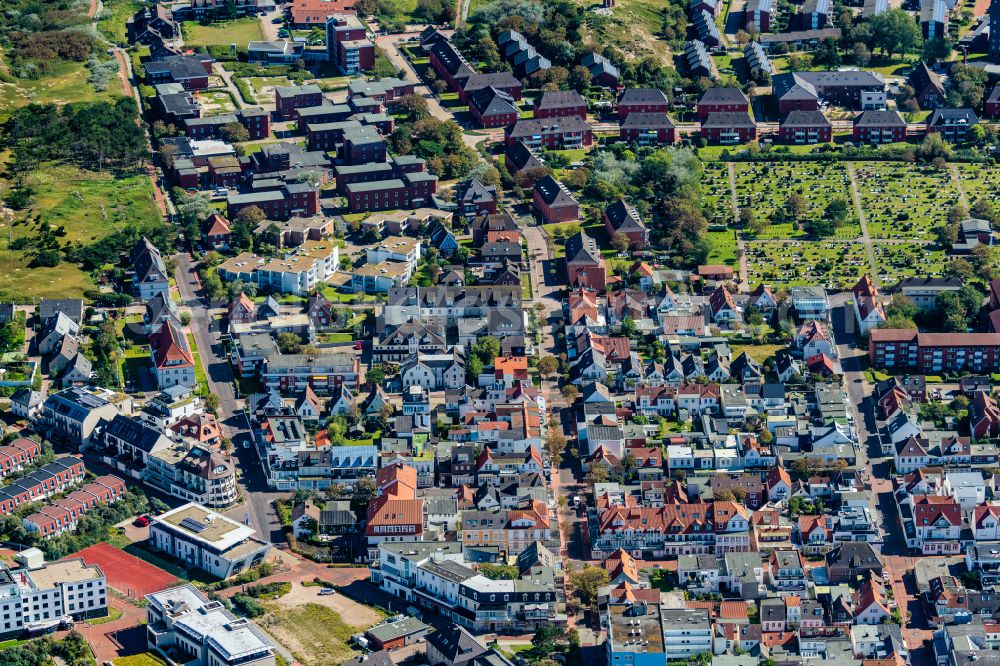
(193, 525)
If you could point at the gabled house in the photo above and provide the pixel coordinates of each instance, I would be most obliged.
(554, 202)
(173, 362)
(150, 270)
(242, 310)
(585, 266)
(984, 416)
(622, 218)
(868, 311)
(723, 308)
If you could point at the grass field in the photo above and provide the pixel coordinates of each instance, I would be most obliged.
(800, 263)
(759, 353)
(67, 82)
(238, 31)
(313, 633)
(904, 201)
(980, 181)
(723, 248)
(141, 659)
(765, 187)
(632, 27)
(263, 87)
(90, 206)
(114, 14)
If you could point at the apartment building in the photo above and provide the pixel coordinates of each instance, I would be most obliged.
(182, 621)
(208, 540)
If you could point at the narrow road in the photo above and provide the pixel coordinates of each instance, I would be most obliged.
(863, 221)
(231, 416)
(390, 46)
(741, 245)
(953, 169)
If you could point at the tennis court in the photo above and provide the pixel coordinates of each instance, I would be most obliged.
(126, 573)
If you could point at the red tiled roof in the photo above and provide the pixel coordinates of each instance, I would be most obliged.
(170, 347)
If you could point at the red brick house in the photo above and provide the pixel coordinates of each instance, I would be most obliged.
(642, 100)
(289, 98)
(449, 64)
(493, 108)
(715, 100)
(585, 266)
(621, 217)
(560, 103)
(648, 129)
(241, 310)
(554, 202)
(933, 353)
(927, 87)
(879, 127)
(727, 128)
(552, 133)
(217, 231)
(991, 108)
(984, 416)
(805, 127)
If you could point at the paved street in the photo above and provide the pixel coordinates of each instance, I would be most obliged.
(234, 423)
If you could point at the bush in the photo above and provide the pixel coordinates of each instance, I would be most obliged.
(248, 606)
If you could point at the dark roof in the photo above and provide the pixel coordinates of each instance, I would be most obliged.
(133, 432)
(805, 119)
(995, 95)
(560, 99)
(553, 193)
(723, 96)
(519, 156)
(726, 119)
(698, 60)
(492, 102)
(922, 76)
(50, 307)
(874, 118)
(494, 79)
(451, 59)
(647, 120)
(598, 64)
(526, 127)
(943, 117)
(643, 96)
(455, 644)
(581, 248)
(624, 217)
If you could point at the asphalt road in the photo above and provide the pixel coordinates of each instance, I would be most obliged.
(257, 506)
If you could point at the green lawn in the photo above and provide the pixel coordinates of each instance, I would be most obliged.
(559, 230)
(263, 86)
(238, 31)
(142, 659)
(91, 206)
(723, 248)
(216, 102)
(759, 353)
(114, 14)
(336, 337)
(136, 365)
(113, 614)
(65, 82)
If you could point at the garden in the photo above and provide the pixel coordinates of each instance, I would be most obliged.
(904, 201)
(907, 259)
(237, 31)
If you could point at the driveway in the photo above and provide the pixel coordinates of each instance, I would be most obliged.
(257, 509)
(390, 46)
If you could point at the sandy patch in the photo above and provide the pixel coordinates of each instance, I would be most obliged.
(351, 611)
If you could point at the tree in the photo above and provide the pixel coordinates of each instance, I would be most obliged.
(938, 48)
(932, 147)
(629, 465)
(797, 206)
(628, 326)
(555, 443)
(837, 210)
(548, 365)
(895, 31)
(486, 349)
(212, 403)
(499, 571)
(597, 474)
(376, 375)
(570, 393)
(967, 86)
(289, 343)
(862, 56)
(251, 217)
(983, 209)
(234, 133)
(620, 241)
(587, 581)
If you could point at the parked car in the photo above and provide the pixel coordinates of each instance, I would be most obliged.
(142, 521)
